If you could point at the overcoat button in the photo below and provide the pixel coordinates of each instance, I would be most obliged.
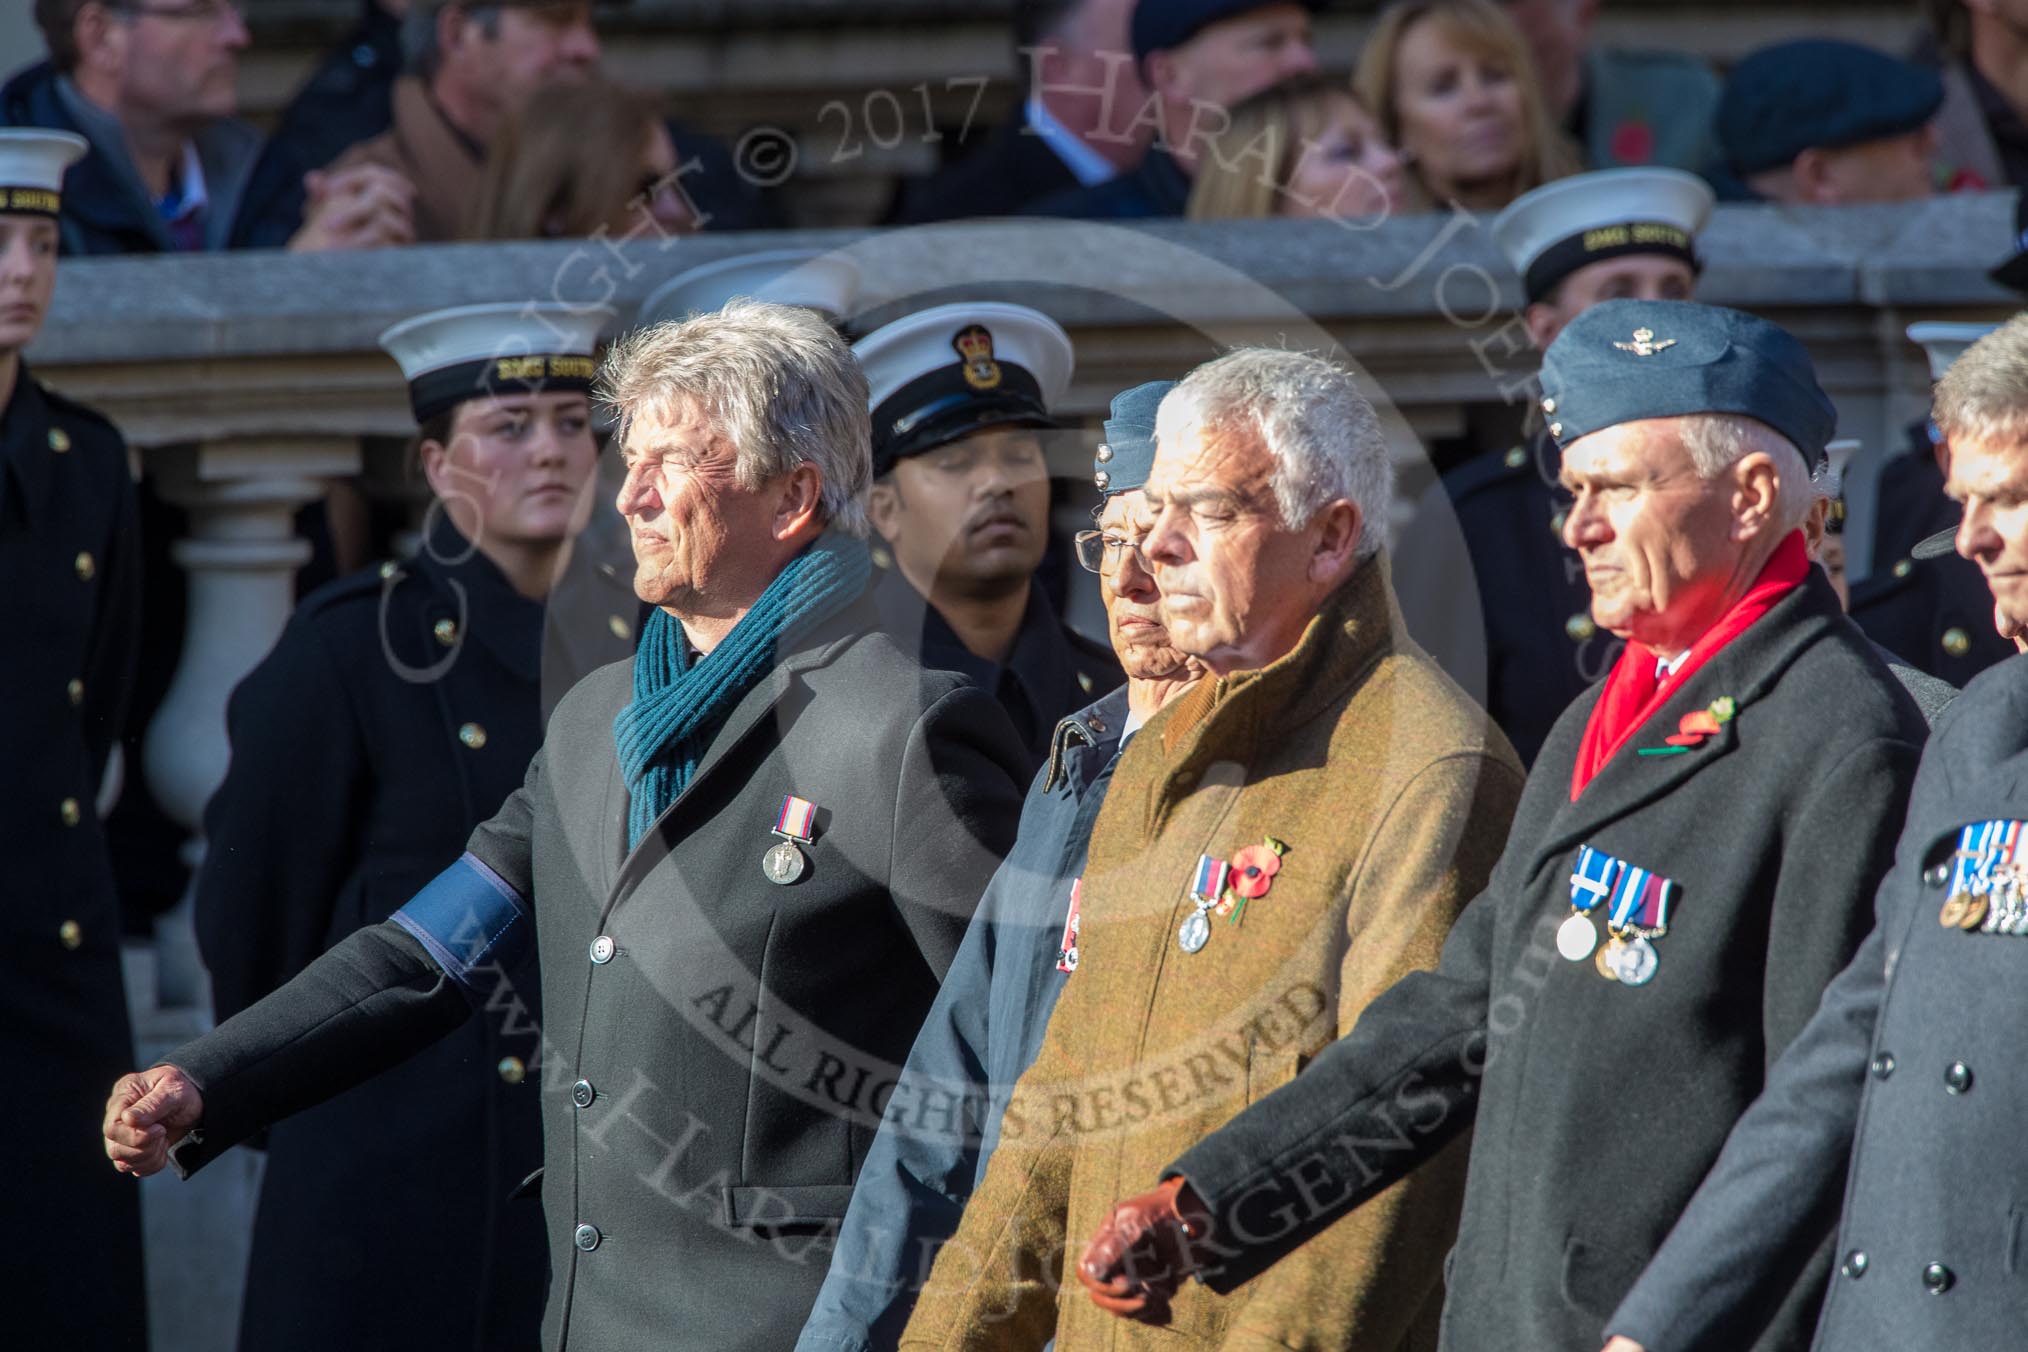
(1883, 1065)
(446, 632)
(87, 567)
(1958, 1078)
(621, 629)
(582, 1093)
(1516, 458)
(602, 949)
(70, 934)
(1903, 567)
(76, 692)
(513, 1069)
(1580, 627)
(1937, 1279)
(472, 735)
(1938, 876)
(59, 440)
(1854, 1265)
(389, 569)
(588, 1237)
(1098, 726)
(1557, 523)
(69, 810)
(1956, 642)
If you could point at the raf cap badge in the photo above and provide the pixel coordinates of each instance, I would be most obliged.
(1644, 344)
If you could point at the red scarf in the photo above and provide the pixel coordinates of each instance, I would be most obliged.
(1634, 692)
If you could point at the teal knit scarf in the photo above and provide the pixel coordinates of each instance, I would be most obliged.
(680, 700)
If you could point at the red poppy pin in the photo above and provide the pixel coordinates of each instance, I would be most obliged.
(1694, 727)
(1253, 873)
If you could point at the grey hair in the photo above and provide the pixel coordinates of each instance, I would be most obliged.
(1985, 393)
(420, 54)
(1325, 438)
(1718, 441)
(776, 380)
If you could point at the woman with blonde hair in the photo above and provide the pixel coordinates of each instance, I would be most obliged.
(1305, 148)
(1454, 86)
(581, 157)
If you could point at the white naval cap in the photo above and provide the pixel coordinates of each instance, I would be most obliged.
(32, 161)
(816, 280)
(1587, 218)
(1943, 343)
(515, 347)
(935, 376)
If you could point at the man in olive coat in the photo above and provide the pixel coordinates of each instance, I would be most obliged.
(748, 856)
(1279, 845)
(1914, 1054)
(1680, 885)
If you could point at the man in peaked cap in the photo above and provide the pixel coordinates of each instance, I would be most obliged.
(1198, 58)
(1830, 123)
(961, 496)
(1683, 878)
(1903, 1097)
(943, 1120)
(1609, 235)
(70, 551)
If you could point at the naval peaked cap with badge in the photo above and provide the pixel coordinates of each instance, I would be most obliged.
(1599, 1095)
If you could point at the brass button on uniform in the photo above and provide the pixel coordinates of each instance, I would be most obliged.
(621, 629)
(59, 440)
(1956, 641)
(1098, 725)
(1580, 628)
(1854, 1265)
(1556, 430)
(1102, 480)
(1903, 567)
(446, 632)
(1516, 457)
(472, 735)
(69, 810)
(602, 949)
(587, 1237)
(1105, 454)
(87, 567)
(1882, 1065)
(582, 1093)
(513, 1069)
(1958, 1079)
(75, 690)
(1549, 406)
(70, 934)
(1937, 1279)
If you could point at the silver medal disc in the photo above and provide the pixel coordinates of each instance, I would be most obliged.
(784, 863)
(1196, 933)
(1576, 937)
(1637, 962)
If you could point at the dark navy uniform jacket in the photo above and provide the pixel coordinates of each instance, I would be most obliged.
(1912, 1071)
(1013, 169)
(398, 710)
(1597, 1108)
(1052, 672)
(70, 610)
(1155, 187)
(982, 1032)
(1510, 614)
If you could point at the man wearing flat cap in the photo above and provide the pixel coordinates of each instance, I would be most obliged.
(70, 551)
(1685, 875)
(943, 1119)
(1827, 123)
(1904, 1096)
(961, 397)
(1530, 643)
(1198, 58)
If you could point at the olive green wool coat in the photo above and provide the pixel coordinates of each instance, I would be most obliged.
(1392, 793)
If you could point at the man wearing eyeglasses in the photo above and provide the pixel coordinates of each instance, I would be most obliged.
(943, 1119)
(1279, 844)
(151, 84)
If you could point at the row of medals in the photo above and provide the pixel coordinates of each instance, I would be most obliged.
(2004, 910)
(1627, 956)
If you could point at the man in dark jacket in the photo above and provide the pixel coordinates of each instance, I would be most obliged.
(943, 1119)
(1198, 58)
(1910, 1069)
(70, 551)
(747, 857)
(1678, 889)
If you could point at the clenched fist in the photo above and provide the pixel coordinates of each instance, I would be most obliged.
(1141, 1254)
(148, 1113)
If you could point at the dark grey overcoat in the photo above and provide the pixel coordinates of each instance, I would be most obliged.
(718, 1047)
(1597, 1107)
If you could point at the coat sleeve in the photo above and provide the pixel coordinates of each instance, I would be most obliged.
(378, 997)
(957, 805)
(1736, 1249)
(1371, 1276)
(280, 830)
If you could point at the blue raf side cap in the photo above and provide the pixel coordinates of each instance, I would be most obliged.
(468, 918)
(1128, 452)
(1627, 360)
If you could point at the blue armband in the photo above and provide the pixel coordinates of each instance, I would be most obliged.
(468, 917)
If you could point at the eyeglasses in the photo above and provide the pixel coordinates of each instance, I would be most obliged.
(1099, 552)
